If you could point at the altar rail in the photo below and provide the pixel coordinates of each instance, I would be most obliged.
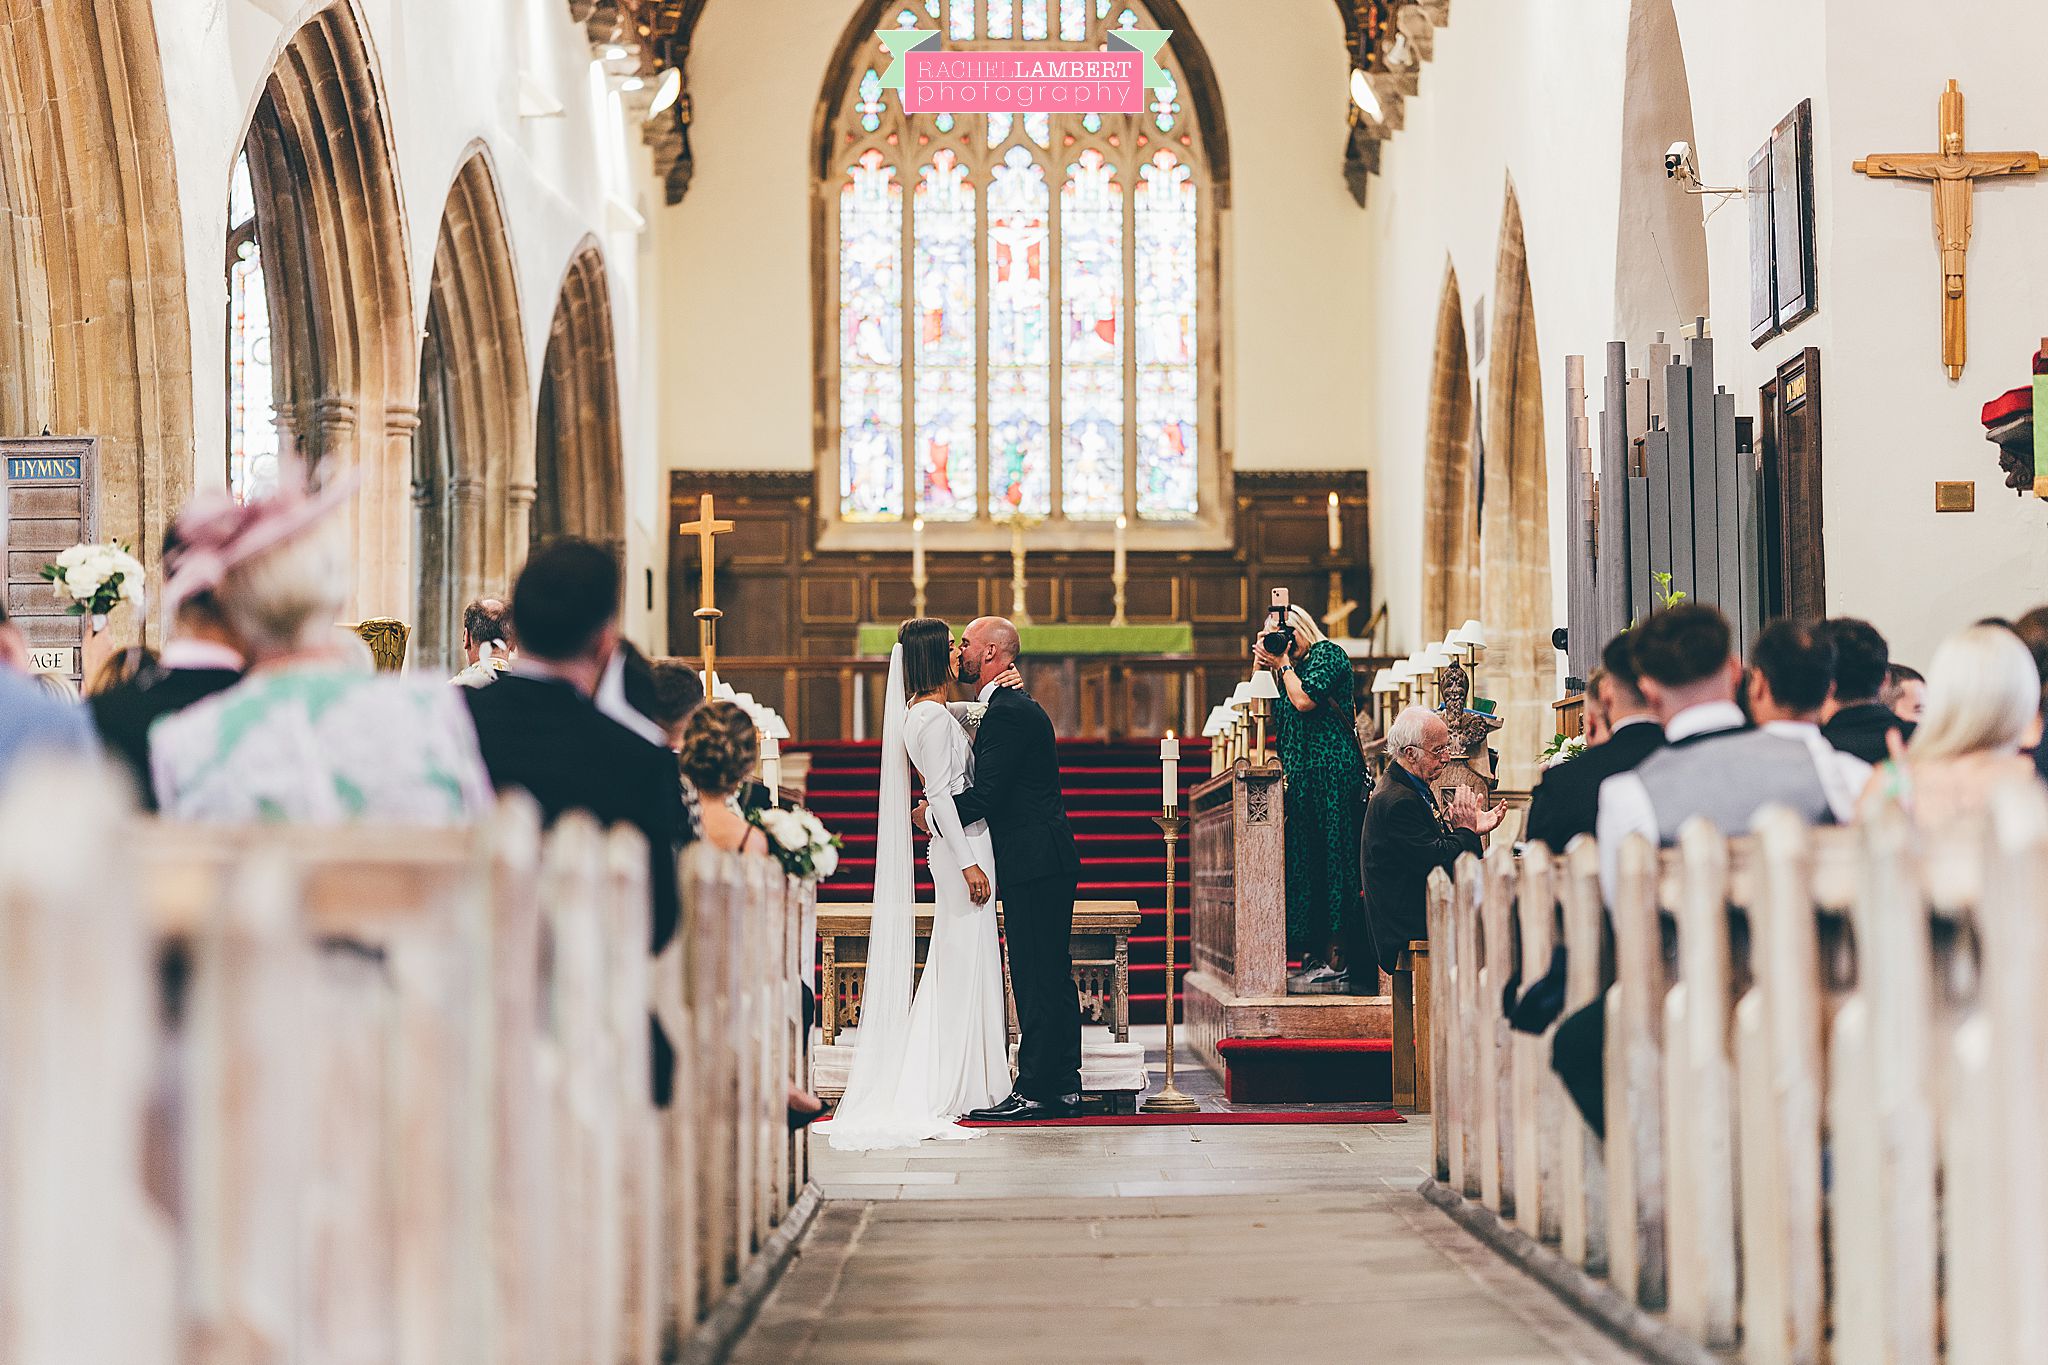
(1825, 1103)
(1091, 698)
(355, 1095)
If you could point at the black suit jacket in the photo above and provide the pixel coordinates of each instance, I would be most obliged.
(124, 714)
(1567, 800)
(1404, 842)
(1017, 790)
(1860, 730)
(548, 739)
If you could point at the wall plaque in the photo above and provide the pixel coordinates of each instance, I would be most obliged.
(49, 501)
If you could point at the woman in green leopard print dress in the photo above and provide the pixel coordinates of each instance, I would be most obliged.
(1317, 717)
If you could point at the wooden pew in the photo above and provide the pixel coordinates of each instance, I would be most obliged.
(381, 1094)
(1863, 1002)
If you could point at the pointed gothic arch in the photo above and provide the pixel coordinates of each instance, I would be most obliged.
(95, 333)
(473, 456)
(1514, 535)
(970, 442)
(331, 230)
(1450, 513)
(1660, 281)
(578, 461)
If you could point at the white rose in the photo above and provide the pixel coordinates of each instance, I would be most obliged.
(783, 828)
(72, 557)
(827, 861)
(813, 826)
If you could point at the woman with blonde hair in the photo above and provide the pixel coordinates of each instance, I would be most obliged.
(1982, 709)
(307, 736)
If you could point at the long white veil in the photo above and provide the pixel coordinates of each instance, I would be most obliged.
(868, 1115)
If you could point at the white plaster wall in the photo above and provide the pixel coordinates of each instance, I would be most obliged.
(1533, 89)
(736, 282)
(450, 73)
(1521, 90)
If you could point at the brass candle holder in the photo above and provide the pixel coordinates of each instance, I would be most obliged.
(1120, 581)
(1169, 1100)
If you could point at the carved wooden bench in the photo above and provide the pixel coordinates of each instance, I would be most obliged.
(1411, 1027)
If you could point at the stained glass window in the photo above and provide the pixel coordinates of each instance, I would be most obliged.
(1092, 339)
(1019, 338)
(945, 350)
(252, 416)
(871, 341)
(1164, 210)
(1018, 317)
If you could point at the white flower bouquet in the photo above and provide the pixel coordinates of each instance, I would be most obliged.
(1563, 750)
(800, 842)
(97, 578)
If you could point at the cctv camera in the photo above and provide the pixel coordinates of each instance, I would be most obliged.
(1678, 162)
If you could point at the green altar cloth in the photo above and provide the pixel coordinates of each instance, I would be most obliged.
(1068, 640)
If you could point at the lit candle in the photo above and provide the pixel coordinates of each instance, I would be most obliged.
(1336, 526)
(1121, 524)
(1169, 776)
(917, 552)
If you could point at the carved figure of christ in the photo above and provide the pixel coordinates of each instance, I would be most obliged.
(1953, 174)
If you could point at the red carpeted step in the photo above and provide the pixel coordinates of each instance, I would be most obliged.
(1306, 1070)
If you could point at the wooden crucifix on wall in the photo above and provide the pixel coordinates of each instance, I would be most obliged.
(1953, 173)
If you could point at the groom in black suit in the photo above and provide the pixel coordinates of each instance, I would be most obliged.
(1017, 790)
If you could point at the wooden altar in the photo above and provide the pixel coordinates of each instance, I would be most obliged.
(1237, 984)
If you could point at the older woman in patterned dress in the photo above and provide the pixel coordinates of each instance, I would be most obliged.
(310, 735)
(1325, 808)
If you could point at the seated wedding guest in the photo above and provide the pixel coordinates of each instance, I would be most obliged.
(119, 669)
(30, 720)
(486, 642)
(1792, 667)
(626, 693)
(1905, 693)
(719, 750)
(1315, 722)
(1566, 801)
(1983, 708)
(1407, 836)
(198, 660)
(1713, 764)
(1855, 720)
(305, 737)
(678, 692)
(2033, 632)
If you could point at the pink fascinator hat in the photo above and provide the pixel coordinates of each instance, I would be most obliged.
(214, 533)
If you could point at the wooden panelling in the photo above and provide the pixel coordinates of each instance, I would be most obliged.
(30, 501)
(782, 597)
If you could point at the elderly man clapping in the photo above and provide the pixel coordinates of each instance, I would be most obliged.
(1407, 836)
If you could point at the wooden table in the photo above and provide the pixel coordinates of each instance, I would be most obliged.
(1100, 947)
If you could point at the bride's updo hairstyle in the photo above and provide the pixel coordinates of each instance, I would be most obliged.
(927, 654)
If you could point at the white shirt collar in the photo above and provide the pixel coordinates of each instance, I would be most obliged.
(1640, 718)
(1792, 729)
(199, 654)
(1704, 718)
(988, 689)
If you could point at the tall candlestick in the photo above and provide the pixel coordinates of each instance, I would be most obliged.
(1336, 526)
(1170, 1100)
(1121, 524)
(917, 578)
(1117, 577)
(771, 768)
(1019, 613)
(1169, 771)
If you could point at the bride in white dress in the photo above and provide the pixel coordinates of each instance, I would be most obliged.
(918, 1064)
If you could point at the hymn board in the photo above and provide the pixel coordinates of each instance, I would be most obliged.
(47, 505)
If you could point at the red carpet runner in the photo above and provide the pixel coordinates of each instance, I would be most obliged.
(1112, 795)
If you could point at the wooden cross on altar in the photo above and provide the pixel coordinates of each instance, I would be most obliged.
(1954, 174)
(706, 527)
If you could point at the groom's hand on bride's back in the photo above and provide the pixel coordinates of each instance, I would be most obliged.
(917, 818)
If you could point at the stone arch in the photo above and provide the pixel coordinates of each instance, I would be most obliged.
(473, 457)
(1661, 263)
(1514, 536)
(95, 333)
(578, 466)
(331, 225)
(1450, 514)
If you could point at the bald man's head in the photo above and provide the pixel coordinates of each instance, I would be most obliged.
(987, 647)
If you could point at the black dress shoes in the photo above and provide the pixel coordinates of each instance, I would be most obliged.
(1018, 1109)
